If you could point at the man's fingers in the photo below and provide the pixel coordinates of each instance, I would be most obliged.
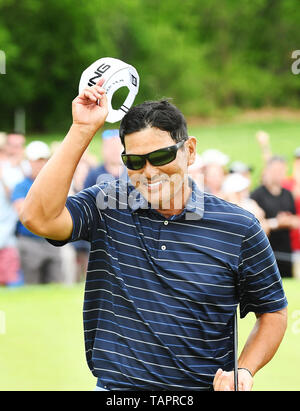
(223, 381)
(100, 82)
(90, 95)
(218, 373)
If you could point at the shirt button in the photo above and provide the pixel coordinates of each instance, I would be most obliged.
(163, 247)
(166, 222)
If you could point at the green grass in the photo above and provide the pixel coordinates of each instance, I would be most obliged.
(43, 348)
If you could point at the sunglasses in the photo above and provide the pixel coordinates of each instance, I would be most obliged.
(156, 158)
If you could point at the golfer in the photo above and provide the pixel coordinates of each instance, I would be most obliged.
(168, 265)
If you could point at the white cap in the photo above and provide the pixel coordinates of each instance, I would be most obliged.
(117, 74)
(213, 156)
(37, 150)
(235, 183)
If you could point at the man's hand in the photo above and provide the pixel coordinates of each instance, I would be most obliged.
(224, 381)
(287, 220)
(89, 109)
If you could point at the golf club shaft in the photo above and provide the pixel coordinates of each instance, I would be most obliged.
(235, 351)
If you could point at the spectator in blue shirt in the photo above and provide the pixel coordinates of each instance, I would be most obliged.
(168, 265)
(112, 162)
(40, 262)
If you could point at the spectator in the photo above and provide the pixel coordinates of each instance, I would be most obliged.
(196, 171)
(9, 257)
(41, 263)
(112, 162)
(263, 139)
(241, 168)
(2, 147)
(292, 184)
(214, 162)
(279, 206)
(236, 190)
(15, 167)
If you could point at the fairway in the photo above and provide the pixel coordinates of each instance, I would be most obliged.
(42, 347)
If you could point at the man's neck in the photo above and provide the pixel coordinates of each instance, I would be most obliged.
(181, 199)
(274, 189)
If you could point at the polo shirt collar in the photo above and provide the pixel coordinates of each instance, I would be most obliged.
(193, 210)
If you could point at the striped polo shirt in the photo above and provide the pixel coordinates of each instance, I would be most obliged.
(161, 293)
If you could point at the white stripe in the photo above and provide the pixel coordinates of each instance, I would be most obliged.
(150, 363)
(120, 221)
(181, 298)
(193, 244)
(254, 255)
(117, 315)
(128, 338)
(196, 226)
(155, 382)
(110, 292)
(247, 239)
(264, 288)
(225, 213)
(205, 358)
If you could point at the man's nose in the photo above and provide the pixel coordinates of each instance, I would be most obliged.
(149, 170)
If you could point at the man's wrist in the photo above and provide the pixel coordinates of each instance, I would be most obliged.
(85, 130)
(246, 369)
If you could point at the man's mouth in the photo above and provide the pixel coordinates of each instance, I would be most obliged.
(153, 185)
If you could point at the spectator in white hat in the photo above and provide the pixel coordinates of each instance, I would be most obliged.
(40, 262)
(236, 190)
(214, 162)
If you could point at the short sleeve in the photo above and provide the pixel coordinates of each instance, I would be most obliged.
(260, 285)
(85, 215)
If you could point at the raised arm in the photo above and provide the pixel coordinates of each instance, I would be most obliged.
(43, 211)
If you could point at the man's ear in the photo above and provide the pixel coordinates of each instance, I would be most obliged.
(191, 147)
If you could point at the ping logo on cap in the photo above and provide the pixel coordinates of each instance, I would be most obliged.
(99, 72)
(117, 74)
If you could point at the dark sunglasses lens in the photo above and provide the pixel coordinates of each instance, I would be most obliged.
(133, 162)
(162, 157)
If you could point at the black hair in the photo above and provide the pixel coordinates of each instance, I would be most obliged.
(160, 114)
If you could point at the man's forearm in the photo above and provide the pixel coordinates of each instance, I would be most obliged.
(264, 340)
(47, 197)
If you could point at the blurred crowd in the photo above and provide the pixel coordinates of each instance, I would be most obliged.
(26, 258)
(275, 202)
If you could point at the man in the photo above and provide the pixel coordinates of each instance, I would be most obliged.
(9, 257)
(15, 167)
(40, 261)
(279, 207)
(165, 276)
